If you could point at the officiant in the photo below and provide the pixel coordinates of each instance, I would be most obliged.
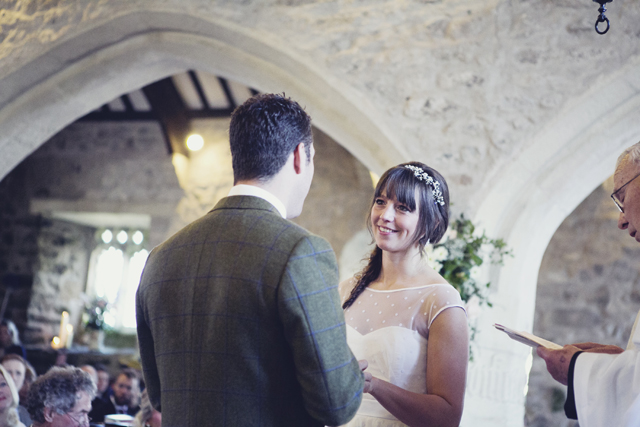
(604, 380)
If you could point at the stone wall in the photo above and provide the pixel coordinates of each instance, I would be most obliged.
(91, 167)
(60, 276)
(588, 290)
(18, 246)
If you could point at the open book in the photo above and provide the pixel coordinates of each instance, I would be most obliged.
(527, 338)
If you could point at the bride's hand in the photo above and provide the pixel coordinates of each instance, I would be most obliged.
(368, 378)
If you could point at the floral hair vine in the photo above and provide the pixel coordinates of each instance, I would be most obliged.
(423, 176)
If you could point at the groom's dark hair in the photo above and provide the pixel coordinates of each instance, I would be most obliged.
(263, 132)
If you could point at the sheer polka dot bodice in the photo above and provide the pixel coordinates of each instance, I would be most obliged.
(390, 330)
(410, 308)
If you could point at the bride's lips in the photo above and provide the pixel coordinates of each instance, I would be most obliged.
(386, 230)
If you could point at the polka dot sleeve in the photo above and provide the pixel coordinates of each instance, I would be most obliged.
(439, 298)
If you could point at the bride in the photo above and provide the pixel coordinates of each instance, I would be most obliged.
(402, 317)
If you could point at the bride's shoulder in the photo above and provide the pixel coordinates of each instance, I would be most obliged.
(443, 294)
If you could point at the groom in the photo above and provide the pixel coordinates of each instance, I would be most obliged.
(239, 319)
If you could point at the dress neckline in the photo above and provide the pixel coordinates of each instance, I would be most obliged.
(405, 289)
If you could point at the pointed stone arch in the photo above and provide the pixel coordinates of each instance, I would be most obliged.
(88, 69)
(526, 201)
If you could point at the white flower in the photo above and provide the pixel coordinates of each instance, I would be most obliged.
(450, 234)
(474, 273)
(440, 253)
(431, 258)
(435, 265)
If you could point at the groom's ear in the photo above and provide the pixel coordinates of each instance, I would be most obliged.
(299, 158)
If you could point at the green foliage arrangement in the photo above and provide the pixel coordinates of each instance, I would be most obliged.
(458, 258)
(93, 316)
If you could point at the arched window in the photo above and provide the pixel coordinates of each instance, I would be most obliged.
(114, 274)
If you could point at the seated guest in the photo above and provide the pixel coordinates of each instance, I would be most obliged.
(97, 404)
(10, 340)
(29, 377)
(147, 416)
(61, 397)
(8, 401)
(104, 391)
(93, 374)
(16, 366)
(125, 399)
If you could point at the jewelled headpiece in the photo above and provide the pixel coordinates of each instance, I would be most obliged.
(423, 176)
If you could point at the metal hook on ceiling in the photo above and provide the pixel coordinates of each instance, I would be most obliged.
(602, 17)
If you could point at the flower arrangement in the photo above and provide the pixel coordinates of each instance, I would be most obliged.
(458, 259)
(93, 316)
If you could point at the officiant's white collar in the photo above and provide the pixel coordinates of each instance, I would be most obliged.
(251, 190)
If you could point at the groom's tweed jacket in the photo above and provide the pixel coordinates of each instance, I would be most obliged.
(239, 324)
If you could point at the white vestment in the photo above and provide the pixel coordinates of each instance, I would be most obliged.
(607, 386)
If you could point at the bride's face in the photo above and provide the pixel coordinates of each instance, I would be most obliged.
(394, 224)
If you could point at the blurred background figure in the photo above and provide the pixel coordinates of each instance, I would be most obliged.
(8, 401)
(147, 416)
(104, 391)
(16, 367)
(29, 377)
(98, 406)
(92, 373)
(125, 398)
(61, 397)
(10, 340)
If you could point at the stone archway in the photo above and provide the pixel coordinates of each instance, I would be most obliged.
(526, 201)
(89, 69)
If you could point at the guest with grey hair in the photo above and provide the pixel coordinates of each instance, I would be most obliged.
(61, 397)
(604, 380)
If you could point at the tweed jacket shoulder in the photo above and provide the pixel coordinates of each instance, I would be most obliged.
(239, 324)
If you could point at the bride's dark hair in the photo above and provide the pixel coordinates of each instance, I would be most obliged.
(400, 183)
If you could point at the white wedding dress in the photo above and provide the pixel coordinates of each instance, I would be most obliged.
(390, 329)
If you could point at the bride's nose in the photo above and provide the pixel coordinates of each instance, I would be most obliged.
(388, 213)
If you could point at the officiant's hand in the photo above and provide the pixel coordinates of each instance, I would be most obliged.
(558, 361)
(368, 378)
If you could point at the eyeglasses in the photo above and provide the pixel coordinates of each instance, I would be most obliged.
(614, 197)
(82, 419)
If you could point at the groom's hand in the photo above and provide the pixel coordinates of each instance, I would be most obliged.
(368, 378)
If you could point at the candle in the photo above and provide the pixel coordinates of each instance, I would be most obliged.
(55, 343)
(64, 320)
(69, 336)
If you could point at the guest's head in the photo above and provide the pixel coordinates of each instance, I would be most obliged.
(8, 399)
(147, 416)
(8, 334)
(92, 373)
(126, 388)
(626, 192)
(103, 378)
(16, 366)
(29, 377)
(61, 397)
(266, 133)
(401, 193)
